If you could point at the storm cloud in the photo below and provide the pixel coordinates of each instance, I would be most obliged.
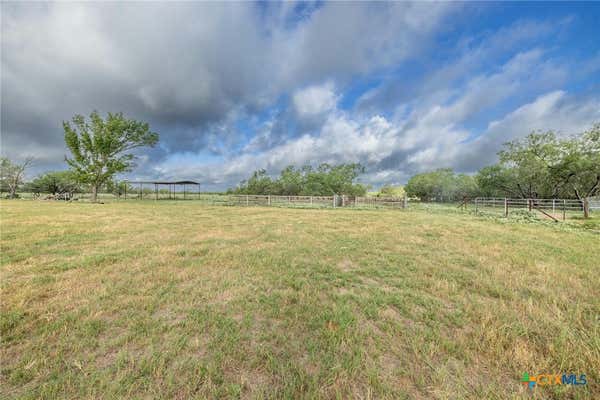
(232, 87)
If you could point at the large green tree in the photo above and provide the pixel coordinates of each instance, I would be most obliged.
(529, 163)
(578, 169)
(100, 147)
(544, 165)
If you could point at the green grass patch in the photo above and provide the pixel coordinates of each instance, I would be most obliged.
(183, 300)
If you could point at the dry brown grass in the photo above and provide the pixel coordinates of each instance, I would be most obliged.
(182, 300)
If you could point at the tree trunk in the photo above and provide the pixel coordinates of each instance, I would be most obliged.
(12, 187)
(586, 208)
(94, 193)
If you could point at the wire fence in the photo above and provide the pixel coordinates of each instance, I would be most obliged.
(549, 208)
(556, 209)
(334, 201)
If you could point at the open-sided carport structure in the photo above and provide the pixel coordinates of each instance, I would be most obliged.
(163, 190)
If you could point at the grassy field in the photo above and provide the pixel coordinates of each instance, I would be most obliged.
(182, 300)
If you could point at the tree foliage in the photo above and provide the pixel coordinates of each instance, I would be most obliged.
(545, 166)
(55, 182)
(578, 170)
(100, 147)
(324, 180)
(441, 185)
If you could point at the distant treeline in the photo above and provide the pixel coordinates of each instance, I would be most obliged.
(66, 182)
(442, 185)
(324, 180)
(542, 165)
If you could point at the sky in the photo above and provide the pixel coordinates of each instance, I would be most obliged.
(399, 87)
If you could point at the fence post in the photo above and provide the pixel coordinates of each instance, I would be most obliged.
(586, 208)
(405, 202)
(311, 201)
(506, 207)
(553, 206)
(529, 203)
(334, 200)
(247, 200)
(269, 199)
(476, 204)
(564, 209)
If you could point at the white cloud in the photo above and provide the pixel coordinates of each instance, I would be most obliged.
(555, 110)
(314, 100)
(194, 70)
(394, 149)
(392, 152)
(188, 65)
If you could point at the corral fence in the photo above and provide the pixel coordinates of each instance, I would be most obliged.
(555, 209)
(335, 201)
(594, 203)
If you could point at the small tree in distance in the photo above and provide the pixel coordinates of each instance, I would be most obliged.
(99, 146)
(55, 183)
(11, 174)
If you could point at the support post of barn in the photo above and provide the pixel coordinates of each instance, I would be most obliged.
(506, 207)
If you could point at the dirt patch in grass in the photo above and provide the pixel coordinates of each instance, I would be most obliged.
(347, 266)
